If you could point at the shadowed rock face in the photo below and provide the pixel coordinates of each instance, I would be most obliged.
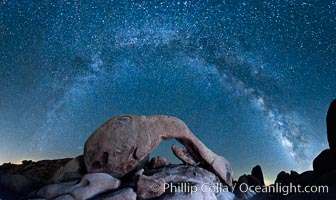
(257, 172)
(193, 175)
(325, 162)
(89, 186)
(331, 125)
(29, 175)
(122, 144)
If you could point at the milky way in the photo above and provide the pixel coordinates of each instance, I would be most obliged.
(252, 79)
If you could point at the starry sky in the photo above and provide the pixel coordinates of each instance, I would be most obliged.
(252, 79)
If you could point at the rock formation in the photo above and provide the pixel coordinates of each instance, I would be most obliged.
(326, 161)
(29, 175)
(324, 169)
(256, 178)
(184, 178)
(331, 125)
(285, 178)
(123, 144)
(257, 172)
(90, 186)
(242, 184)
(73, 169)
(115, 166)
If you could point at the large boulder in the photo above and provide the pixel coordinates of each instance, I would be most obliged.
(90, 186)
(325, 162)
(123, 143)
(181, 182)
(123, 194)
(55, 190)
(331, 125)
(71, 170)
(148, 187)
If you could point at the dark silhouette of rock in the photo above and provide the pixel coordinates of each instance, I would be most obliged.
(331, 126)
(29, 175)
(294, 174)
(306, 178)
(327, 179)
(242, 185)
(257, 172)
(283, 178)
(325, 162)
(253, 181)
(16, 183)
(286, 178)
(324, 169)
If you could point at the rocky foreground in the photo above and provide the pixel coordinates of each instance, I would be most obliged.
(115, 165)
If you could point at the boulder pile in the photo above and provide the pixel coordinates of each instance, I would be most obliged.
(115, 165)
(256, 178)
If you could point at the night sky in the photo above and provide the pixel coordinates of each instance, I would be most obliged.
(252, 79)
